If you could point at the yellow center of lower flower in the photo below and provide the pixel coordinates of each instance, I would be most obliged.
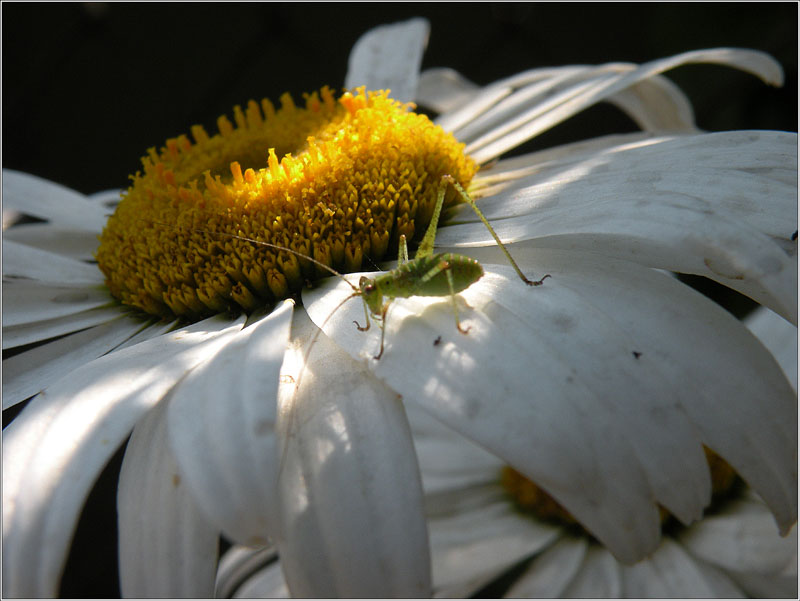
(531, 499)
(337, 180)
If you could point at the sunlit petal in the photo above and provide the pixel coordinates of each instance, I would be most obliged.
(222, 429)
(347, 468)
(688, 204)
(388, 58)
(54, 449)
(65, 240)
(22, 261)
(50, 201)
(238, 564)
(31, 371)
(14, 336)
(167, 548)
(29, 301)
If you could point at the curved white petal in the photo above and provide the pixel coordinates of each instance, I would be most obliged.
(63, 240)
(779, 336)
(167, 548)
(22, 261)
(550, 572)
(719, 205)
(266, 584)
(50, 201)
(588, 380)
(388, 58)
(30, 372)
(238, 565)
(222, 429)
(742, 538)
(53, 451)
(593, 85)
(476, 534)
(448, 461)
(598, 576)
(351, 500)
(671, 573)
(29, 301)
(654, 103)
(26, 333)
(444, 90)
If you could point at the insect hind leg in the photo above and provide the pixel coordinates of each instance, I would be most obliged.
(448, 179)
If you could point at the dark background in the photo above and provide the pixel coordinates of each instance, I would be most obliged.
(87, 88)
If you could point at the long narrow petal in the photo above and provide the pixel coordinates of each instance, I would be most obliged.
(30, 372)
(167, 548)
(14, 336)
(742, 539)
(672, 573)
(550, 573)
(598, 576)
(351, 498)
(601, 86)
(22, 261)
(50, 201)
(56, 447)
(238, 564)
(388, 58)
(591, 364)
(779, 336)
(222, 430)
(476, 534)
(63, 240)
(719, 205)
(29, 301)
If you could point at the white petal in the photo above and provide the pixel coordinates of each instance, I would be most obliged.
(670, 572)
(598, 576)
(717, 205)
(760, 586)
(66, 241)
(742, 539)
(26, 333)
(388, 58)
(22, 261)
(266, 584)
(443, 89)
(50, 201)
(656, 104)
(597, 85)
(167, 548)
(779, 336)
(28, 301)
(476, 534)
(53, 451)
(238, 564)
(222, 423)
(27, 373)
(552, 571)
(351, 499)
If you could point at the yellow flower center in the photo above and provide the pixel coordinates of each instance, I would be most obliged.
(338, 180)
(531, 499)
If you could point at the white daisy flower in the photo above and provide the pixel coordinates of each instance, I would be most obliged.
(609, 372)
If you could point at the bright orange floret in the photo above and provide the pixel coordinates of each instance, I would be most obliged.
(338, 180)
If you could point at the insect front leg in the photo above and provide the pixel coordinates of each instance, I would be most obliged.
(448, 179)
(366, 317)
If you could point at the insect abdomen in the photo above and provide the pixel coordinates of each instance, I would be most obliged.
(430, 274)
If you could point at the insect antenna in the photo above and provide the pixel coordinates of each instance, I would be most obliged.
(328, 268)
